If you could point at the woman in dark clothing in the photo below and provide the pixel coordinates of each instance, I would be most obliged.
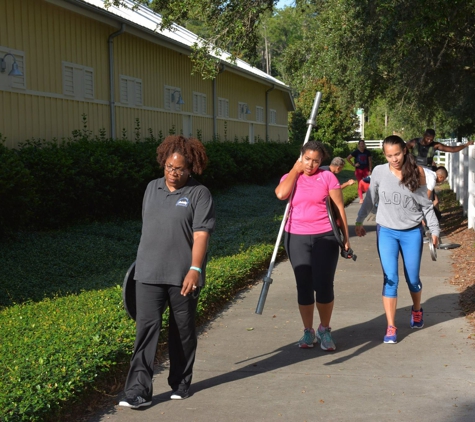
(178, 218)
(362, 164)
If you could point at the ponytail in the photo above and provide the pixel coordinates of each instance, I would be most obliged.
(410, 173)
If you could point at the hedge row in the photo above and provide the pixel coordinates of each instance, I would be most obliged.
(47, 184)
(41, 375)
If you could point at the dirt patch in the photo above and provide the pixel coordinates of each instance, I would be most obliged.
(455, 229)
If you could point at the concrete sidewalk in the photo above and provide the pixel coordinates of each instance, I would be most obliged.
(249, 367)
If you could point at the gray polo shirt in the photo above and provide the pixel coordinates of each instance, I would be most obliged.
(169, 220)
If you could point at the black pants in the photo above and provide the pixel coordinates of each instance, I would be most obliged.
(152, 300)
(314, 259)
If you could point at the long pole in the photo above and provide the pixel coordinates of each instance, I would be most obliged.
(267, 280)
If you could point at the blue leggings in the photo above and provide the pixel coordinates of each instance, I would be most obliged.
(409, 242)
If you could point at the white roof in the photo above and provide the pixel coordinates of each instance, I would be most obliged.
(149, 20)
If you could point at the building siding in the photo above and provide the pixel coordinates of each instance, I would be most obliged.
(49, 35)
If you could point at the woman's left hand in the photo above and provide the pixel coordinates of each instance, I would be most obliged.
(435, 241)
(191, 282)
(347, 245)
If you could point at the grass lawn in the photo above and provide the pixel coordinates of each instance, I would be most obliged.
(64, 329)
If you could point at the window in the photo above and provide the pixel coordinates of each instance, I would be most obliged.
(243, 111)
(272, 116)
(199, 103)
(130, 91)
(8, 82)
(223, 107)
(173, 99)
(259, 114)
(78, 81)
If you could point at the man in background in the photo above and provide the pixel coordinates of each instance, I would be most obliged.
(425, 148)
(335, 167)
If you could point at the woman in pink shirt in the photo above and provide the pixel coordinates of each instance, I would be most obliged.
(310, 242)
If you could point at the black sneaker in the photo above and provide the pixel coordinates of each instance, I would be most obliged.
(180, 394)
(135, 403)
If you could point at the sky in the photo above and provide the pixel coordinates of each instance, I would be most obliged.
(282, 3)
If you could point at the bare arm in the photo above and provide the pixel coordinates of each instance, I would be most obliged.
(347, 183)
(410, 144)
(349, 159)
(198, 253)
(446, 148)
(284, 189)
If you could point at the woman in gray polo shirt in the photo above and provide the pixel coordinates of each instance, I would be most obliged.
(178, 218)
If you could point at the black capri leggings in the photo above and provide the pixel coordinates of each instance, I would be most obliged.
(314, 259)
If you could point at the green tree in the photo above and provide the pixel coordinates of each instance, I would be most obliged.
(419, 55)
(336, 122)
(234, 26)
(277, 32)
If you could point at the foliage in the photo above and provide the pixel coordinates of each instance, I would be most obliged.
(16, 196)
(378, 125)
(40, 373)
(87, 179)
(83, 307)
(418, 56)
(336, 122)
(233, 23)
(50, 184)
(278, 31)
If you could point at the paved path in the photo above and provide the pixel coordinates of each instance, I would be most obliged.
(249, 368)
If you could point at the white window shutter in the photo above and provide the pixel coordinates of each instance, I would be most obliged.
(138, 93)
(196, 100)
(167, 99)
(88, 84)
(69, 81)
(124, 91)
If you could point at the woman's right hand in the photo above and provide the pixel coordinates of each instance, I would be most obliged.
(298, 167)
(360, 231)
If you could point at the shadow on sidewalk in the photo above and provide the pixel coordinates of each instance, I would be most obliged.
(363, 336)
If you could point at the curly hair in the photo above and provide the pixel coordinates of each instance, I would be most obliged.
(315, 146)
(410, 170)
(192, 150)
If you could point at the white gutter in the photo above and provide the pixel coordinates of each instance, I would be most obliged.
(112, 79)
(215, 101)
(267, 111)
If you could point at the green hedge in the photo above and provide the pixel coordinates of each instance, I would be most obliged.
(48, 184)
(51, 355)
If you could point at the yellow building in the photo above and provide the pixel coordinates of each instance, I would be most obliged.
(63, 61)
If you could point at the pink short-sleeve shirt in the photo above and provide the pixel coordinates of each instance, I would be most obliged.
(308, 211)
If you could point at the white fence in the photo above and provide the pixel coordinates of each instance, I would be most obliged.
(371, 144)
(461, 168)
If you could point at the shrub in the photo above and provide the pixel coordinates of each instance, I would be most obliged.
(17, 194)
(56, 350)
(378, 157)
(51, 354)
(57, 183)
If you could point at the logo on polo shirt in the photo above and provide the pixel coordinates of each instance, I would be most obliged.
(183, 202)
